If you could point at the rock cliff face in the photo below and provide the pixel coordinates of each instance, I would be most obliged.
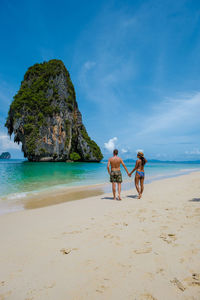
(45, 118)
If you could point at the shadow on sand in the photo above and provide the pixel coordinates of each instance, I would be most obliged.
(107, 198)
(129, 196)
(132, 196)
(195, 200)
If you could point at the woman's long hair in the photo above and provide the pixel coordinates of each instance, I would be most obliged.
(143, 160)
(141, 156)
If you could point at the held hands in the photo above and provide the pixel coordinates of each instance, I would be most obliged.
(129, 174)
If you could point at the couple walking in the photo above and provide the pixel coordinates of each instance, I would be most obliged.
(116, 176)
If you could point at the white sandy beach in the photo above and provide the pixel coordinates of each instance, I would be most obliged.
(97, 248)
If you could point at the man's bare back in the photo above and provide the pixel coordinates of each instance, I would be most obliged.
(115, 163)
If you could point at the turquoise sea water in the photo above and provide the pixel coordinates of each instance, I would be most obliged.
(18, 177)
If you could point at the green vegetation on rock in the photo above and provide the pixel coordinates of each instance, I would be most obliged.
(32, 102)
(45, 118)
(67, 130)
(33, 99)
(75, 156)
(93, 146)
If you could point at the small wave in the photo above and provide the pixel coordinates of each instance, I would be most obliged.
(189, 170)
(16, 196)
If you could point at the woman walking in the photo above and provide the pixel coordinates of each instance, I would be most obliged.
(139, 175)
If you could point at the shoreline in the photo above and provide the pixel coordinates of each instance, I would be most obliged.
(56, 195)
(104, 249)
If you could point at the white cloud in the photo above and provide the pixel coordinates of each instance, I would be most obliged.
(139, 150)
(160, 155)
(124, 150)
(7, 144)
(110, 145)
(174, 115)
(193, 152)
(120, 85)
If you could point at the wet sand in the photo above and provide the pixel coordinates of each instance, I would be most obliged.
(97, 248)
(47, 199)
(51, 196)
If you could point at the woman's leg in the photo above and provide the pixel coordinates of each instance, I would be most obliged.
(137, 179)
(141, 185)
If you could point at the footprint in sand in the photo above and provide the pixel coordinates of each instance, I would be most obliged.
(196, 276)
(72, 232)
(101, 289)
(179, 285)
(125, 224)
(109, 236)
(169, 238)
(161, 271)
(2, 283)
(194, 280)
(124, 266)
(65, 251)
(68, 250)
(143, 251)
(113, 238)
(147, 297)
(116, 224)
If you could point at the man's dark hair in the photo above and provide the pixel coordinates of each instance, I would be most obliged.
(115, 152)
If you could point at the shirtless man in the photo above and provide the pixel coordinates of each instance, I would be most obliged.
(139, 175)
(115, 173)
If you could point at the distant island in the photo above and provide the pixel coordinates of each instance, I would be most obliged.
(130, 160)
(5, 155)
(45, 118)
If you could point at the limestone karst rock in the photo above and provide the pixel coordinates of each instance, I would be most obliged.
(45, 118)
(5, 155)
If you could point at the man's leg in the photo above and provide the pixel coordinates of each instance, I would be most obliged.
(119, 191)
(114, 190)
(137, 178)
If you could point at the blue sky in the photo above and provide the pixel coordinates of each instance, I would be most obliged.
(134, 65)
